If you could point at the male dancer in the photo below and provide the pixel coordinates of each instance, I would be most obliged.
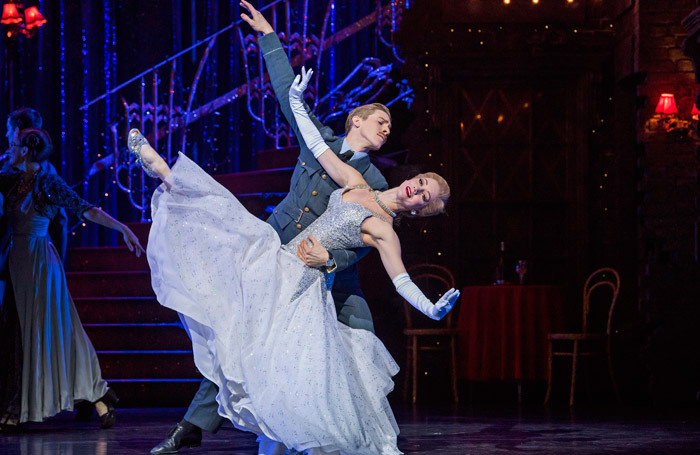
(367, 128)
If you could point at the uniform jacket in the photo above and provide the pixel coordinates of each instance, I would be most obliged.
(310, 187)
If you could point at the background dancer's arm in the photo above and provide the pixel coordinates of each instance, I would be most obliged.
(96, 215)
(59, 193)
(58, 227)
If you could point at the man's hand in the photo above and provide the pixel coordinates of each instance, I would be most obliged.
(313, 256)
(256, 19)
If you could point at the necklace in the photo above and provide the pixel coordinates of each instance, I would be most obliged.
(390, 212)
(26, 185)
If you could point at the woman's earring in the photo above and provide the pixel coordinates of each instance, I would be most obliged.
(413, 212)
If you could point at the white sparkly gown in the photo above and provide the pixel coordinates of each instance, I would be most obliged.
(263, 325)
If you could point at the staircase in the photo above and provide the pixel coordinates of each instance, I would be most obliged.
(144, 353)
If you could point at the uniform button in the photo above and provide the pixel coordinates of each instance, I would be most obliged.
(275, 210)
(306, 209)
(314, 193)
(303, 163)
(324, 176)
(298, 226)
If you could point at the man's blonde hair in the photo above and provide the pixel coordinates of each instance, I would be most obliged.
(363, 112)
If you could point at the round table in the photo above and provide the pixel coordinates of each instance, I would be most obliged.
(503, 331)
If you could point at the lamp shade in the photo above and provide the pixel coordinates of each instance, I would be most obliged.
(34, 18)
(10, 15)
(666, 104)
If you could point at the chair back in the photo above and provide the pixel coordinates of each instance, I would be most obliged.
(434, 280)
(604, 277)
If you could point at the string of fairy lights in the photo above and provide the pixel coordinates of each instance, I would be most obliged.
(63, 88)
(479, 38)
(108, 68)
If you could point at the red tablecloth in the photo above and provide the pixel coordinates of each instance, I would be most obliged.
(503, 330)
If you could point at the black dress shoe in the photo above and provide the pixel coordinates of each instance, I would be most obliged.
(9, 423)
(108, 418)
(182, 435)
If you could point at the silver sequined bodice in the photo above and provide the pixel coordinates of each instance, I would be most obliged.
(338, 228)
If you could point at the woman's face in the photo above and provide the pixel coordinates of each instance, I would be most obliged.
(416, 193)
(17, 153)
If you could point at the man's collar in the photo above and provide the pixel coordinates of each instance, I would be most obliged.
(346, 147)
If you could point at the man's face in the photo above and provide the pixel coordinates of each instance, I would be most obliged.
(375, 129)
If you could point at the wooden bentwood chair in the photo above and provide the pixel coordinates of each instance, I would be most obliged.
(587, 343)
(433, 280)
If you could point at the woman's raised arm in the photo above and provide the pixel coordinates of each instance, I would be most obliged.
(340, 172)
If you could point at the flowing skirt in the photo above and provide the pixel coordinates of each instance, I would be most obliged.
(263, 325)
(59, 364)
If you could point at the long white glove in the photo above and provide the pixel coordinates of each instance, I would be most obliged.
(309, 132)
(409, 291)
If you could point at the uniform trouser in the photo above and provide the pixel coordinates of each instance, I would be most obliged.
(352, 310)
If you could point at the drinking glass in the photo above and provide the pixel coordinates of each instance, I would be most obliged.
(521, 269)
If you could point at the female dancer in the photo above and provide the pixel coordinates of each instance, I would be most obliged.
(263, 325)
(59, 365)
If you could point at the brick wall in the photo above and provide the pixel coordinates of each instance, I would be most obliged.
(667, 206)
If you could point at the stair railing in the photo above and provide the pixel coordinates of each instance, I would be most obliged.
(162, 122)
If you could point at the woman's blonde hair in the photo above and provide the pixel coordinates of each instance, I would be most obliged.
(438, 202)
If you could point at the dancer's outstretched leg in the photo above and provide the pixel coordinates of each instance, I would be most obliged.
(151, 162)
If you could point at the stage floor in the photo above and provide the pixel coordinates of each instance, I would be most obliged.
(458, 432)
